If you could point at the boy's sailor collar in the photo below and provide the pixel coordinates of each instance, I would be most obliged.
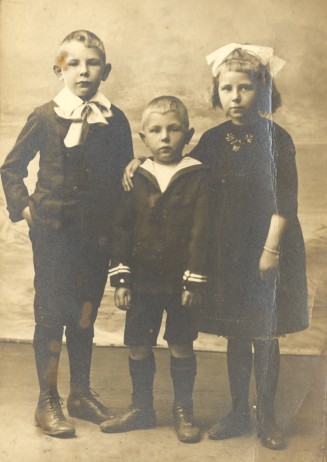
(68, 103)
(186, 165)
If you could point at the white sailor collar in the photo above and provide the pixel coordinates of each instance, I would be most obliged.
(185, 165)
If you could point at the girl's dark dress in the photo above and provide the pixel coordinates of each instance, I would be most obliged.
(248, 185)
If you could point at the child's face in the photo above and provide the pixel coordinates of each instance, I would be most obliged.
(165, 135)
(81, 68)
(238, 96)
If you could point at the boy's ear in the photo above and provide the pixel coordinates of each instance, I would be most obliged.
(189, 134)
(106, 71)
(57, 70)
(142, 136)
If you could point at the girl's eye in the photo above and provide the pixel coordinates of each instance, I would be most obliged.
(73, 62)
(247, 87)
(154, 130)
(226, 88)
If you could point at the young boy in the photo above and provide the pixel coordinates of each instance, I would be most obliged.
(84, 143)
(159, 262)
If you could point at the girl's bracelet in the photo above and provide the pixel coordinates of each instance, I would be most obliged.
(275, 252)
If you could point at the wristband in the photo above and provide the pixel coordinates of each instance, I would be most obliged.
(275, 252)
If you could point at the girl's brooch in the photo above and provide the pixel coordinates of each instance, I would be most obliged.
(236, 143)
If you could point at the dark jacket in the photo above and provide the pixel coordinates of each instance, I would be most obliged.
(161, 238)
(79, 185)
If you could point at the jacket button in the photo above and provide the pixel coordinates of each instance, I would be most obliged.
(75, 188)
(223, 181)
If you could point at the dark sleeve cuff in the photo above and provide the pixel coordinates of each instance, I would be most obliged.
(120, 276)
(194, 282)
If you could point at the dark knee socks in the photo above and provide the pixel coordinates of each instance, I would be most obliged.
(142, 373)
(47, 347)
(79, 347)
(266, 367)
(239, 364)
(183, 373)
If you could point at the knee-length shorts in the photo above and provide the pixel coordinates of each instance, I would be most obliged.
(70, 274)
(144, 318)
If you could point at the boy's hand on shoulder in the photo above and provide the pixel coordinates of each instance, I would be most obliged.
(26, 214)
(123, 296)
(190, 299)
(129, 171)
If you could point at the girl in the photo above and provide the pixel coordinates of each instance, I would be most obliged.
(257, 287)
(258, 282)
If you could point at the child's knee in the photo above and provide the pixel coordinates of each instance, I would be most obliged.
(46, 335)
(87, 316)
(183, 350)
(140, 352)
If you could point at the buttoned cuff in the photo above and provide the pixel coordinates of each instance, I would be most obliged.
(194, 282)
(120, 276)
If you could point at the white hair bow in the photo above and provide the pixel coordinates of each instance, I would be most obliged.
(264, 54)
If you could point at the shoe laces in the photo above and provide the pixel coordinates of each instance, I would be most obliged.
(55, 403)
(94, 393)
(184, 413)
(91, 395)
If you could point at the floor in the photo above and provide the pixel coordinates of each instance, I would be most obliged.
(301, 411)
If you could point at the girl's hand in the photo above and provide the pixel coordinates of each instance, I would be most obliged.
(129, 171)
(123, 298)
(190, 299)
(268, 265)
(26, 214)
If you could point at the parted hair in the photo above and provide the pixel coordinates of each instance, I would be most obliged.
(89, 39)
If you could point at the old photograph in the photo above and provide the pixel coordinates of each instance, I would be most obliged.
(163, 230)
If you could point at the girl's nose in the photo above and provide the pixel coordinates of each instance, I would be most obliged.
(235, 95)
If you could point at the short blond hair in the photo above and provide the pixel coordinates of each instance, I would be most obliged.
(163, 104)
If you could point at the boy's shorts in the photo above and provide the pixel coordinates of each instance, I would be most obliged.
(143, 320)
(70, 269)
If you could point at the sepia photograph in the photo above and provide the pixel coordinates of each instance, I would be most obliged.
(163, 231)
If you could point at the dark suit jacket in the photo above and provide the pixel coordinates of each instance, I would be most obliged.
(79, 185)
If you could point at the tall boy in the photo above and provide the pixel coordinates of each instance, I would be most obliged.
(84, 143)
(159, 262)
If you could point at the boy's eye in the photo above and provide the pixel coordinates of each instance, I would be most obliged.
(94, 62)
(154, 130)
(175, 128)
(73, 62)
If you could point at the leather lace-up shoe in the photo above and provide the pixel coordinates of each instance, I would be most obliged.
(133, 418)
(234, 424)
(272, 437)
(50, 418)
(84, 405)
(186, 431)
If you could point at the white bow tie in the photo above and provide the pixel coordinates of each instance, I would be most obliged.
(90, 112)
